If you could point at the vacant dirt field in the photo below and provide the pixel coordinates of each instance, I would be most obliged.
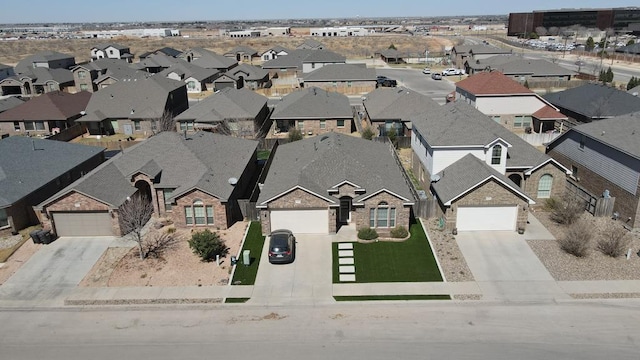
(594, 266)
(178, 266)
(361, 47)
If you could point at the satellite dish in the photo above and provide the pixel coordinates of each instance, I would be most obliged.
(435, 178)
(233, 181)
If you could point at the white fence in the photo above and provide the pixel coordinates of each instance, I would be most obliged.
(539, 139)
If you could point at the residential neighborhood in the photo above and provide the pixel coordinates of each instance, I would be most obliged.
(255, 165)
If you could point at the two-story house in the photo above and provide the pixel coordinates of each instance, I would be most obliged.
(483, 176)
(111, 51)
(604, 157)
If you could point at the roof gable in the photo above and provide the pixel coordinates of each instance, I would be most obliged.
(492, 83)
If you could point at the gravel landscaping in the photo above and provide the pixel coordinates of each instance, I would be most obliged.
(594, 266)
(445, 247)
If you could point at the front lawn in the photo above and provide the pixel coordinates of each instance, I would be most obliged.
(246, 275)
(408, 261)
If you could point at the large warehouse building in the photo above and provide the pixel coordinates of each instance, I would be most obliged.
(616, 18)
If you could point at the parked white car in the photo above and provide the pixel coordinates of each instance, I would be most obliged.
(452, 71)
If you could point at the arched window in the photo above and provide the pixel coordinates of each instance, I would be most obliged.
(496, 155)
(544, 186)
(198, 213)
(382, 216)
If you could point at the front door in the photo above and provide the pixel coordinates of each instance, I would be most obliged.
(345, 209)
(128, 129)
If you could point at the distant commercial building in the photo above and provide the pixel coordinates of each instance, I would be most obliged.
(244, 33)
(339, 31)
(108, 34)
(615, 18)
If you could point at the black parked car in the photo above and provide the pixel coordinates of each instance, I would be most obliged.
(386, 82)
(282, 247)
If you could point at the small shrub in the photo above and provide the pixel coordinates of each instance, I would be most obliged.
(367, 133)
(577, 239)
(569, 210)
(367, 233)
(551, 204)
(295, 134)
(399, 232)
(613, 240)
(207, 245)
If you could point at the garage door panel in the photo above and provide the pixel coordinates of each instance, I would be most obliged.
(83, 224)
(301, 221)
(486, 218)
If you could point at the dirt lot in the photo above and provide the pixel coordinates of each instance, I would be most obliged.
(595, 266)
(18, 258)
(178, 266)
(361, 47)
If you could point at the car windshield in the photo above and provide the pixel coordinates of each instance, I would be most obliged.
(279, 243)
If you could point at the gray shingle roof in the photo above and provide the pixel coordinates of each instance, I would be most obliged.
(24, 170)
(101, 64)
(621, 132)
(10, 102)
(458, 124)
(104, 46)
(55, 105)
(277, 49)
(146, 98)
(635, 90)
(41, 75)
(319, 163)
(296, 58)
(228, 104)
(479, 49)
(249, 72)
(313, 103)
(342, 72)
(242, 49)
(595, 101)
(188, 70)
(210, 60)
(465, 174)
(310, 44)
(41, 56)
(202, 161)
(165, 51)
(396, 103)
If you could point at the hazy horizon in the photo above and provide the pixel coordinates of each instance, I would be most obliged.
(76, 11)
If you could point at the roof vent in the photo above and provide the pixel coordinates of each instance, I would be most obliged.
(233, 181)
(435, 178)
(603, 132)
(635, 93)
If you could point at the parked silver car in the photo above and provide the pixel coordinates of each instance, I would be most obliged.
(282, 247)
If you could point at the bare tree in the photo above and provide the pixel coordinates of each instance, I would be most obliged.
(134, 215)
(568, 210)
(155, 244)
(166, 122)
(541, 31)
(614, 239)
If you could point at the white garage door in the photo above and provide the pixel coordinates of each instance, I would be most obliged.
(301, 221)
(487, 218)
(83, 224)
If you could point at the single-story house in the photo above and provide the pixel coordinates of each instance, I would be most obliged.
(208, 59)
(131, 106)
(194, 180)
(520, 68)
(198, 79)
(319, 184)
(301, 61)
(313, 111)
(33, 169)
(238, 112)
(250, 76)
(460, 54)
(45, 114)
(274, 52)
(168, 51)
(387, 108)
(351, 79)
(242, 53)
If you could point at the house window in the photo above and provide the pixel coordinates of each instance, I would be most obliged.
(574, 171)
(34, 125)
(191, 85)
(522, 121)
(313, 65)
(167, 193)
(198, 214)
(582, 139)
(186, 125)
(335, 84)
(544, 186)
(496, 155)
(301, 125)
(82, 74)
(84, 87)
(340, 123)
(4, 219)
(496, 118)
(382, 216)
(323, 124)
(16, 126)
(136, 125)
(349, 84)
(52, 87)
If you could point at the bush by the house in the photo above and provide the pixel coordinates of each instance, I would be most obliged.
(613, 240)
(295, 134)
(577, 239)
(568, 209)
(551, 203)
(367, 133)
(367, 233)
(207, 245)
(399, 232)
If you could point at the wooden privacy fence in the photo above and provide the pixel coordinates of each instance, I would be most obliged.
(68, 134)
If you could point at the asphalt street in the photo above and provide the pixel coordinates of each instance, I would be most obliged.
(390, 330)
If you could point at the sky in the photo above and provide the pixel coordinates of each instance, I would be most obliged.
(47, 11)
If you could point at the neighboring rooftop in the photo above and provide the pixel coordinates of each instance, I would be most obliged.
(342, 72)
(227, 104)
(54, 105)
(313, 103)
(397, 103)
(595, 101)
(621, 132)
(9, 102)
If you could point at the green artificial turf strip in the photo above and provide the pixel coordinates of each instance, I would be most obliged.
(246, 275)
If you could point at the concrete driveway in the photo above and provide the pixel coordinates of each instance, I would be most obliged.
(307, 280)
(505, 267)
(52, 272)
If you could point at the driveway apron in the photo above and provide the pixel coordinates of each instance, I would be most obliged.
(54, 271)
(506, 268)
(307, 280)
